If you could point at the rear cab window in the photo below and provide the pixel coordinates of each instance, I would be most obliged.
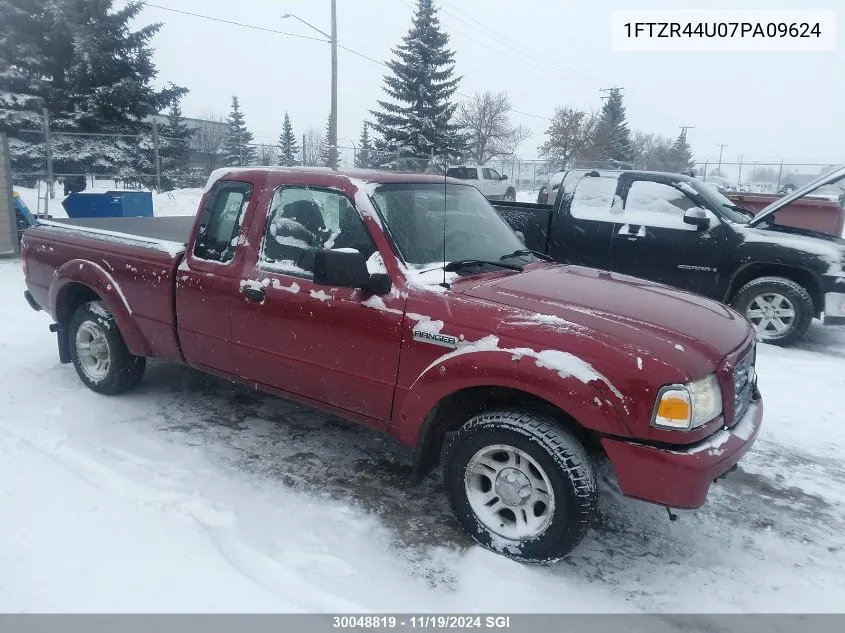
(462, 173)
(220, 222)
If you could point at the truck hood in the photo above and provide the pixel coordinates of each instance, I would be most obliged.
(828, 179)
(827, 247)
(630, 314)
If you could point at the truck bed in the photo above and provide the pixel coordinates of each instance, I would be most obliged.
(129, 262)
(172, 229)
(533, 220)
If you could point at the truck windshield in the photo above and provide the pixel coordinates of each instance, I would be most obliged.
(729, 210)
(418, 216)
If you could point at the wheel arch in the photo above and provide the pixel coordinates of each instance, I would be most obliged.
(802, 276)
(78, 281)
(453, 410)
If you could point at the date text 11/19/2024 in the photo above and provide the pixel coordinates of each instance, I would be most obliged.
(421, 622)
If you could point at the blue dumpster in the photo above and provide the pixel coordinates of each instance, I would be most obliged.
(111, 204)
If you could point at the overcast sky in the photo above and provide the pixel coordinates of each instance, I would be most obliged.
(545, 53)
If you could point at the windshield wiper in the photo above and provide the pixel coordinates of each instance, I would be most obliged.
(739, 209)
(467, 263)
(527, 251)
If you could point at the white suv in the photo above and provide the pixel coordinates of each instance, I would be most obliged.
(486, 180)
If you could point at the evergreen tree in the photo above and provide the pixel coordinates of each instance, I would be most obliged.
(288, 147)
(328, 153)
(175, 149)
(237, 147)
(680, 156)
(418, 121)
(82, 62)
(612, 141)
(365, 157)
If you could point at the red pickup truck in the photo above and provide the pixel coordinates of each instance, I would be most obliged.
(405, 303)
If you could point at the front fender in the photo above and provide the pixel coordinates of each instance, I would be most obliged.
(594, 404)
(98, 279)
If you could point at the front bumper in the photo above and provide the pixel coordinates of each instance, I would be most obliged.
(31, 301)
(681, 478)
(834, 305)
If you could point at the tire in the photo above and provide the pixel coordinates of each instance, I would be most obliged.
(510, 195)
(783, 297)
(494, 509)
(99, 352)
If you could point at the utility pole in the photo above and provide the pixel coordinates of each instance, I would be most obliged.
(332, 39)
(607, 91)
(684, 129)
(721, 149)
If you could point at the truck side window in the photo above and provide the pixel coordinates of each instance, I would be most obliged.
(302, 221)
(490, 174)
(656, 204)
(595, 199)
(221, 221)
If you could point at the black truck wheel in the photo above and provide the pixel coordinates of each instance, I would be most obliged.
(779, 309)
(510, 195)
(521, 485)
(99, 353)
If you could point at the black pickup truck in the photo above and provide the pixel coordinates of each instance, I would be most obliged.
(682, 232)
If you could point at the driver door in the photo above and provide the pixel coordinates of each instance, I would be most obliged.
(318, 342)
(652, 241)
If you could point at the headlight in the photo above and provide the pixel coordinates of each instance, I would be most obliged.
(685, 407)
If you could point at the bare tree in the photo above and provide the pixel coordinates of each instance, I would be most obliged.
(569, 135)
(267, 155)
(486, 120)
(313, 146)
(652, 151)
(208, 139)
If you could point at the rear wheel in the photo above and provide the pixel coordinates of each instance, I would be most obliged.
(520, 485)
(779, 309)
(99, 352)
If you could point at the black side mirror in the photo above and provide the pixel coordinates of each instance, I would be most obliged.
(504, 176)
(348, 269)
(697, 218)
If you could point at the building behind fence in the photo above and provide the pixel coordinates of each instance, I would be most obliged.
(59, 162)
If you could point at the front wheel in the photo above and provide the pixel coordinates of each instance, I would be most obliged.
(510, 195)
(521, 485)
(99, 352)
(779, 309)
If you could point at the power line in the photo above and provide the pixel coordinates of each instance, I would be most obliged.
(233, 23)
(316, 39)
(514, 45)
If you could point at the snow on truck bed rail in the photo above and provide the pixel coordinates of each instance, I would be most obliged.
(171, 248)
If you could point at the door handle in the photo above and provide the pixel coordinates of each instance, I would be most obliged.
(254, 294)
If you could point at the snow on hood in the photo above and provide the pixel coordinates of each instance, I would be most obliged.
(642, 317)
(831, 249)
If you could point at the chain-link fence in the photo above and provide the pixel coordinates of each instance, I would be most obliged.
(57, 162)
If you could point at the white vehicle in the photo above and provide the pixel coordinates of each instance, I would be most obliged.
(488, 181)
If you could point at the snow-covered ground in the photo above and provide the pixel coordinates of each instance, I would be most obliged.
(191, 494)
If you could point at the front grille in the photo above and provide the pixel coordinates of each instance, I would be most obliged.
(745, 377)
